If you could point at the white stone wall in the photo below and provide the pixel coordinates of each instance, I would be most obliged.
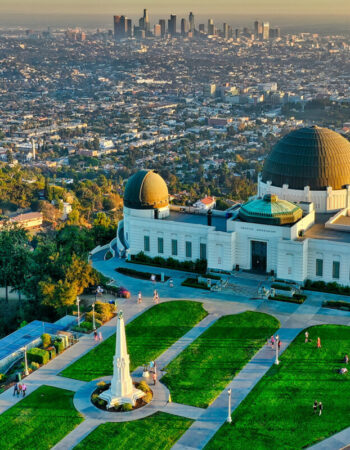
(325, 201)
(292, 260)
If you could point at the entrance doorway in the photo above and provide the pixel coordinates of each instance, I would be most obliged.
(259, 256)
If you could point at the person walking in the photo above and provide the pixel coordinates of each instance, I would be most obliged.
(154, 377)
(139, 297)
(272, 341)
(15, 389)
(315, 405)
(319, 343)
(306, 337)
(24, 389)
(346, 359)
(19, 389)
(157, 298)
(95, 335)
(279, 344)
(320, 407)
(100, 338)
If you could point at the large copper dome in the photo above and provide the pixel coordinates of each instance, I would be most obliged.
(315, 157)
(146, 190)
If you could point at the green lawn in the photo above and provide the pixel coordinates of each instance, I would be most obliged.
(278, 412)
(39, 421)
(204, 369)
(159, 431)
(148, 336)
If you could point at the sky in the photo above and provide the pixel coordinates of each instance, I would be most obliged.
(257, 7)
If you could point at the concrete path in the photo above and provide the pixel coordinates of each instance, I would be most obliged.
(78, 434)
(191, 412)
(338, 441)
(200, 433)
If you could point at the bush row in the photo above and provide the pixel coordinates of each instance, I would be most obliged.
(193, 282)
(198, 266)
(299, 299)
(336, 304)
(281, 287)
(332, 287)
(138, 274)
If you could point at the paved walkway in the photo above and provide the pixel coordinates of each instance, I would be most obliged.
(78, 434)
(336, 442)
(201, 431)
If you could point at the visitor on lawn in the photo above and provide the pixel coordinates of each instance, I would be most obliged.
(346, 359)
(320, 407)
(318, 342)
(343, 370)
(315, 406)
(306, 337)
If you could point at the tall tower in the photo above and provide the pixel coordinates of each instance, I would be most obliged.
(184, 27)
(258, 29)
(265, 30)
(162, 27)
(211, 28)
(146, 23)
(120, 27)
(172, 25)
(122, 389)
(225, 31)
(191, 22)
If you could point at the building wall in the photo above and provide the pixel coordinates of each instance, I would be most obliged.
(325, 201)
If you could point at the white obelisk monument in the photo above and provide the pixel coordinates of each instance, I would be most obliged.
(122, 389)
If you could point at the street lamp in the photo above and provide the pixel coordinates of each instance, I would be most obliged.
(93, 317)
(26, 371)
(277, 340)
(229, 418)
(78, 301)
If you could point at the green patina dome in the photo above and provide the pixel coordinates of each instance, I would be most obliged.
(314, 156)
(270, 210)
(146, 190)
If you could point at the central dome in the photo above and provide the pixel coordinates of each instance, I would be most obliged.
(270, 210)
(146, 190)
(315, 157)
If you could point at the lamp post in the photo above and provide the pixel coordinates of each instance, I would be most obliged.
(93, 317)
(276, 343)
(229, 418)
(26, 371)
(78, 301)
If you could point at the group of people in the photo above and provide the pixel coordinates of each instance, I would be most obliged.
(275, 341)
(155, 297)
(318, 406)
(307, 339)
(19, 388)
(98, 336)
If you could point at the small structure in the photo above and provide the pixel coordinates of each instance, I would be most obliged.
(122, 389)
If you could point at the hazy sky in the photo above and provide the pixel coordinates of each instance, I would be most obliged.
(156, 7)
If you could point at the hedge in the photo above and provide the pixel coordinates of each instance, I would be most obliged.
(283, 298)
(281, 287)
(336, 304)
(193, 282)
(332, 288)
(138, 274)
(59, 345)
(198, 266)
(38, 355)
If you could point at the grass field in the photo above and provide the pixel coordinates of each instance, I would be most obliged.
(39, 421)
(148, 336)
(204, 369)
(278, 412)
(159, 431)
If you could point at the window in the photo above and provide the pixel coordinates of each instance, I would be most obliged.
(146, 245)
(174, 247)
(188, 249)
(336, 269)
(319, 267)
(203, 251)
(160, 245)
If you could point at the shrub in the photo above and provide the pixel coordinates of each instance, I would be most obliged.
(101, 384)
(108, 255)
(2, 377)
(127, 407)
(34, 365)
(143, 386)
(52, 351)
(199, 266)
(148, 397)
(281, 287)
(105, 311)
(193, 282)
(46, 340)
(59, 345)
(101, 402)
(94, 397)
(333, 287)
(38, 355)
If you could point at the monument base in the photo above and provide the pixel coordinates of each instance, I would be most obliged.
(111, 400)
